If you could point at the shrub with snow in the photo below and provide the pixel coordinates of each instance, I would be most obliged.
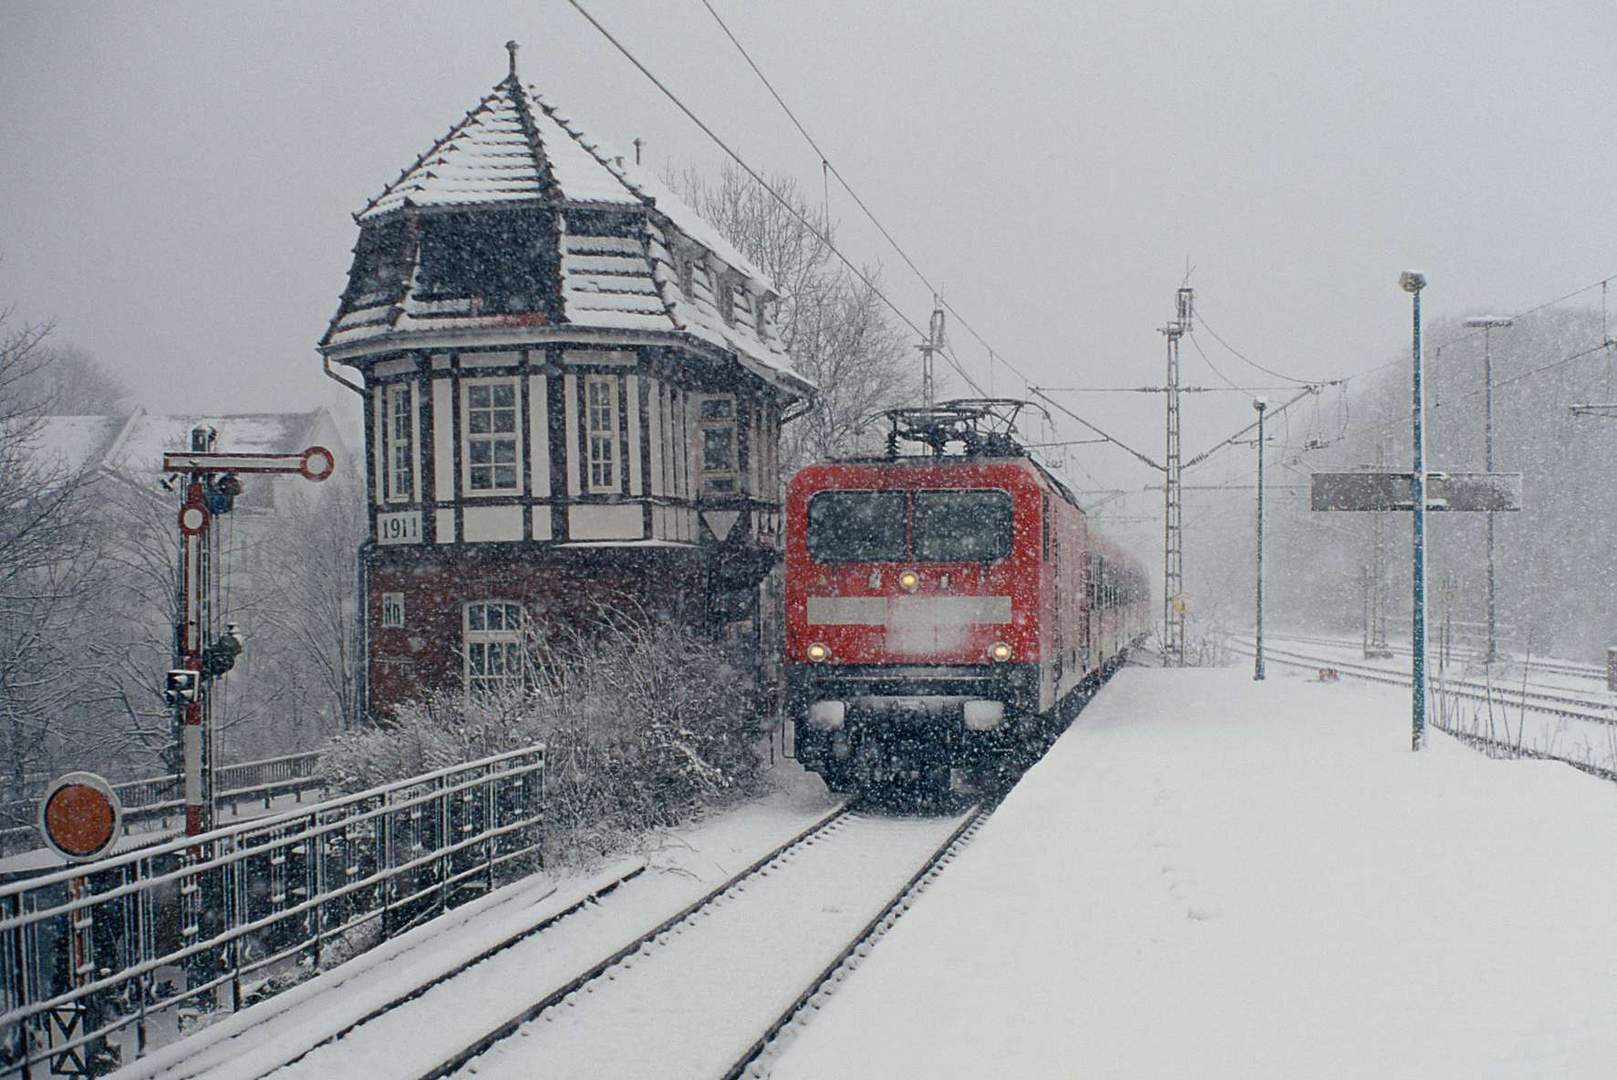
(645, 723)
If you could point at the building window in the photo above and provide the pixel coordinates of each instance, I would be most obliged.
(494, 632)
(601, 426)
(400, 434)
(393, 610)
(727, 298)
(717, 432)
(491, 443)
(677, 406)
(685, 269)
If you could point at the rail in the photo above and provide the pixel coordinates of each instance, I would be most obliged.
(89, 956)
(157, 798)
(1475, 739)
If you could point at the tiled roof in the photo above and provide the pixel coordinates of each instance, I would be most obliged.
(515, 148)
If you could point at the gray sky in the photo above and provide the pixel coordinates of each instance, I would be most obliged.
(176, 179)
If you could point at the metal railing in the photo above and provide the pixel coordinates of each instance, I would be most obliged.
(89, 956)
(158, 798)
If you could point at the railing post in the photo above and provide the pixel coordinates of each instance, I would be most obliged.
(384, 858)
(490, 813)
(234, 888)
(145, 949)
(316, 874)
(443, 842)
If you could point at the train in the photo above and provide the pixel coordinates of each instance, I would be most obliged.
(948, 606)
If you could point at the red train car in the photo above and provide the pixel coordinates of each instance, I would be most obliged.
(945, 612)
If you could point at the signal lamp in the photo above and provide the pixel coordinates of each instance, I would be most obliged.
(909, 580)
(999, 652)
(818, 653)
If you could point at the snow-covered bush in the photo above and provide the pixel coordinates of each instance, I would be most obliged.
(644, 722)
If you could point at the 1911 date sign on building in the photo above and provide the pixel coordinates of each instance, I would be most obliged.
(573, 398)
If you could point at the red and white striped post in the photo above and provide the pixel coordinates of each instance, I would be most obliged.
(185, 683)
(194, 522)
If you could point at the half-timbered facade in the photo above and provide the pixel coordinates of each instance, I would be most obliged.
(573, 399)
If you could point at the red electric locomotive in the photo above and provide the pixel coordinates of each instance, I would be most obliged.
(946, 611)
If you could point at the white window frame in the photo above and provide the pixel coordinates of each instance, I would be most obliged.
(601, 457)
(492, 657)
(392, 611)
(467, 437)
(703, 426)
(400, 427)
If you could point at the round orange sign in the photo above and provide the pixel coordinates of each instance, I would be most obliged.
(80, 816)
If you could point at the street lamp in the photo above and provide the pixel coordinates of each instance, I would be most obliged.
(1412, 282)
(1261, 404)
(1488, 322)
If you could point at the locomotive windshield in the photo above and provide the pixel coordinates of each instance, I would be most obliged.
(857, 526)
(871, 526)
(962, 526)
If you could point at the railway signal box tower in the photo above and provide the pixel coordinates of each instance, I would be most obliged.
(573, 390)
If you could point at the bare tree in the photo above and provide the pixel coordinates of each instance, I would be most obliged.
(835, 327)
(47, 550)
(311, 622)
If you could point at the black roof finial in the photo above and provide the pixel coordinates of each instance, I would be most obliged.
(512, 47)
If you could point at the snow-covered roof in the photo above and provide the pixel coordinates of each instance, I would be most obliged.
(66, 445)
(632, 256)
(515, 146)
(133, 444)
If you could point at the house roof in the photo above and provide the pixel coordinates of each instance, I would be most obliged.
(673, 273)
(132, 444)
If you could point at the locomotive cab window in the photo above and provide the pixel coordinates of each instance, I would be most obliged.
(962, 526)
(857, 526)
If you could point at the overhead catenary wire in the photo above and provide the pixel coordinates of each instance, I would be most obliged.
(776, 195)
(993, 354)
(828, 166)
(1211, 366)
(1239, 355)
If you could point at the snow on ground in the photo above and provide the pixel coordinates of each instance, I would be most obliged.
(1211, 877)
(681, 865)
(1592, 742)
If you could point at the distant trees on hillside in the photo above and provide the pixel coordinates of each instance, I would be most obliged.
(1556, 559)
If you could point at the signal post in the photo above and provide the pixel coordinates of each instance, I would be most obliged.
(210, 489)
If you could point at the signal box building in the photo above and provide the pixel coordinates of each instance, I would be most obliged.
(573, 399)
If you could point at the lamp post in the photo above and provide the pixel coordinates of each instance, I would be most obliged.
(1261, 405)
(1412, 283)
(1488, 322)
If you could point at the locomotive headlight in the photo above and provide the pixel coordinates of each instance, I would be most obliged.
(999, 652)
(818, 653)
(909, 581)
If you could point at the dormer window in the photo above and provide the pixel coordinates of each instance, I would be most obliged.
(685, 270)
(727, 298)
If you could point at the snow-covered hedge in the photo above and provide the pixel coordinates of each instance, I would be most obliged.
(644, 724)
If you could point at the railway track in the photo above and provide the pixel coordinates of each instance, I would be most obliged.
(710, 991)
(1491, 746)
(1568, 668)
(1541, 701)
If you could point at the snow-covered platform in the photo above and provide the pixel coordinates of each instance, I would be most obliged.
(1210, 877)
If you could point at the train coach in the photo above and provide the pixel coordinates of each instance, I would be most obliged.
(946, 610)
